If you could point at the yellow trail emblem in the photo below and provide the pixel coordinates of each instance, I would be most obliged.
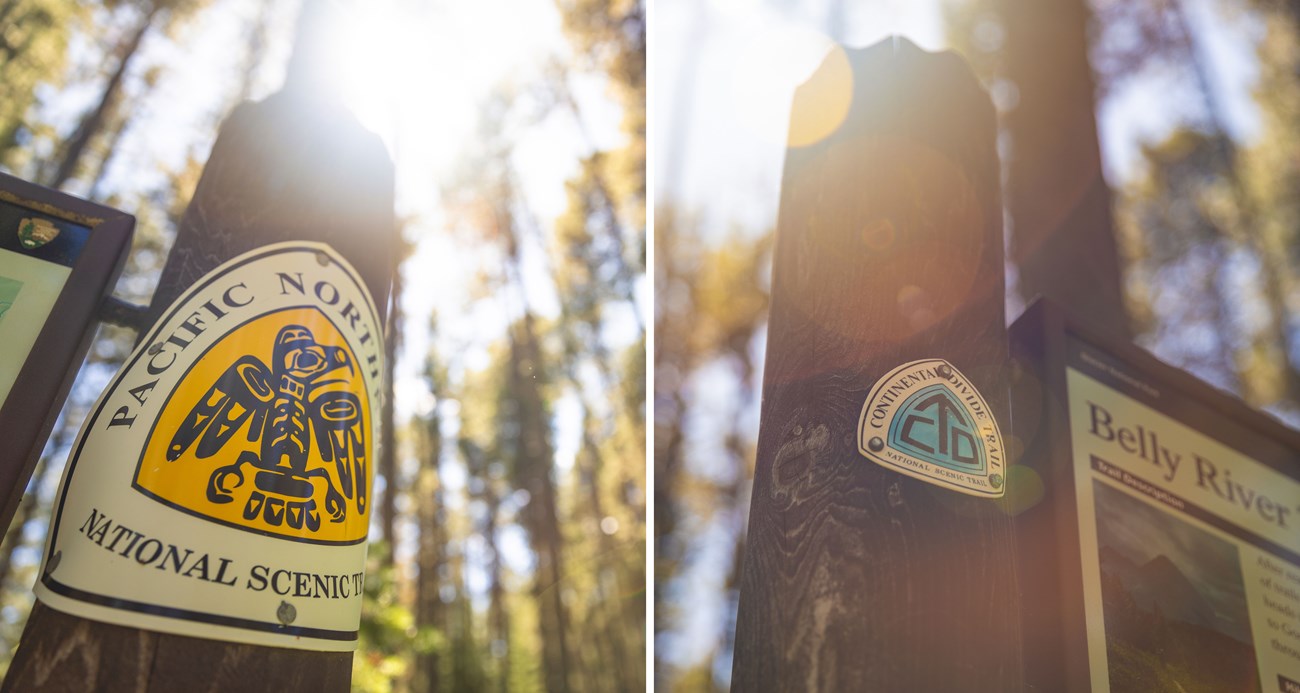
(267, 433)
(221, 486)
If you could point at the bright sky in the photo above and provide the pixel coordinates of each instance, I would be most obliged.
(416, 73)
(725, 72)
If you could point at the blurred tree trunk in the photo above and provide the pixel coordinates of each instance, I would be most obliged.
(541, 516)
(116, 128)
(498, 613)
(479, 467)
(737, 493)
(430, 558)
(673, 362)
(1060, 208)
(592, 273)
(67, 427)
(94, 120)
(605, 622)
(388, 441)
(1273, 176)
(115, 124)
(463, 649)
(13, 538)
(533, 456)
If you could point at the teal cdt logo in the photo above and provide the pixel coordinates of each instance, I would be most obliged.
(926, 420)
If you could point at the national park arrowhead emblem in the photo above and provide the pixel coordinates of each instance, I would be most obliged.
(926, 420)
(35, 232)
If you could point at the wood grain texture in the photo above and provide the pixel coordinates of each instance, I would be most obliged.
(889, 250)
(292, 167)
(65, 653)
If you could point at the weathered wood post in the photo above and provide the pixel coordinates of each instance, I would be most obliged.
(295, 167)
(877, 556)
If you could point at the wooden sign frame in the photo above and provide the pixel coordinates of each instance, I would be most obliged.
(1045, 342)
(52, 364)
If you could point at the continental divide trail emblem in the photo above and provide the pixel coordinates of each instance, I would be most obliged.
(221, 486)
(926, 420)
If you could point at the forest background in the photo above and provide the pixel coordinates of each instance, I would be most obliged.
(1196, 132)
(508, 546)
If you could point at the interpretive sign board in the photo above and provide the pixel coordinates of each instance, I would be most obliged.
(59, 258)
(1172, 512)
(221, 486)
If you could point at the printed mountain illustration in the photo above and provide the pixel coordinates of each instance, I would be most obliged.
(1161, 585)
(1163, 635)
(1116, 563)
(1158, 584)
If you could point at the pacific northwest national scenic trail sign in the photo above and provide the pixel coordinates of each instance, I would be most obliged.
(221, 485)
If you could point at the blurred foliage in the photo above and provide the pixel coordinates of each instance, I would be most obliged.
(388, 634)
(34, 38)
(1209, 224)
(1205, 219)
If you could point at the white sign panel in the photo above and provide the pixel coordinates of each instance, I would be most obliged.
(221, 486)
(1191, 551)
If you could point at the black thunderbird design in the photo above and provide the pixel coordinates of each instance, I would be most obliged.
(277, 405)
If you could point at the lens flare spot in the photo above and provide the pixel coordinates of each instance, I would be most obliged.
(916, 306)
(609, 525)
(1025, 490)
(822, 102)
(879, 235)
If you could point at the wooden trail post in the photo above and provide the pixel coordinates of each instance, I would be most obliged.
(296, 166)
(888, 251)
